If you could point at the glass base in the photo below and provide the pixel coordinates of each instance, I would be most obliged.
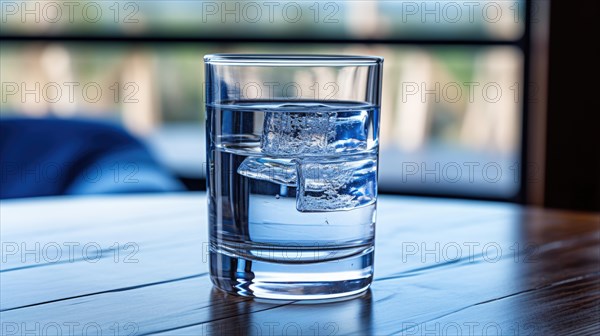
(304, 280)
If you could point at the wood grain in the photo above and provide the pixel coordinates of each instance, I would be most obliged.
(137, 265)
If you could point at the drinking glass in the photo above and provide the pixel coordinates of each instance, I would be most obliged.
(292, 155)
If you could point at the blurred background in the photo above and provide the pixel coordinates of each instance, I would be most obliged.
(464, 108)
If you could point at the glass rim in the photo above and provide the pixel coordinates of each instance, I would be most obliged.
(292, 60)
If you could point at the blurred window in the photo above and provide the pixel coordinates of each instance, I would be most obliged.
(452, 106)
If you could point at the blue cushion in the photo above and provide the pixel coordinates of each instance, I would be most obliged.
(50, 156)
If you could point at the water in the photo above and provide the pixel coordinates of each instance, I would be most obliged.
(292, 197)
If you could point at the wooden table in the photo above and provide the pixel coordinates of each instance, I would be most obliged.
(137, 265)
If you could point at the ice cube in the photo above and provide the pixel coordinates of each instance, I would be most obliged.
(336, 185)
(294, 133)
(281, 171)
(314, 133)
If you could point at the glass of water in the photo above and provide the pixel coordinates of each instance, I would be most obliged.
(292, 154)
